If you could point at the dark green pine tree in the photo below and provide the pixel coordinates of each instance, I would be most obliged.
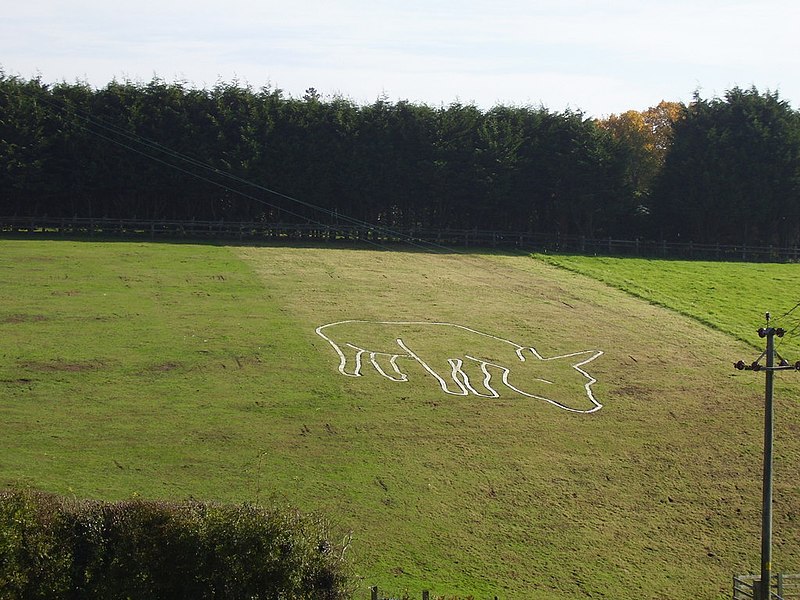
(731, 175)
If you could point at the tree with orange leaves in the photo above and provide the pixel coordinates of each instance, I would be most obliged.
(645, 137)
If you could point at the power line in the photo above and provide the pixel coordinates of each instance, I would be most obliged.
(790, 311)
(153, 145)
(148, 148)
(789, 328)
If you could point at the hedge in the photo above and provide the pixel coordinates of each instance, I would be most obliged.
(57, 548)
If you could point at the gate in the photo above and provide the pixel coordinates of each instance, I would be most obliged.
(783, 587)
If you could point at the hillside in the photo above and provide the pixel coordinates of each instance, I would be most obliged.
(196, 371)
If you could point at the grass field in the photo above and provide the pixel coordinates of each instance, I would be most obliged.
(177, 371)
(730, 297)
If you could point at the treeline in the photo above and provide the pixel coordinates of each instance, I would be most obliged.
(725, 170)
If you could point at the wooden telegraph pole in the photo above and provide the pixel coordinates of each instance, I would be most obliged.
(766, 512)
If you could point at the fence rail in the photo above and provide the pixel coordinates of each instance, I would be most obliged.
(247, 230)
(426, 595)
(783, 587)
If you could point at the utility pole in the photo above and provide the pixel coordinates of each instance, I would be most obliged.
(766, 511)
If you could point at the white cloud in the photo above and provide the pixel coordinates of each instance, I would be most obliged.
(600, 56)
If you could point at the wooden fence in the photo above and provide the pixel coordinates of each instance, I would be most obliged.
(431, 239)
(426, 595)
(784, 587)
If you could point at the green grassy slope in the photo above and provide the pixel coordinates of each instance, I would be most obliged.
(182, 370)
(731, 297)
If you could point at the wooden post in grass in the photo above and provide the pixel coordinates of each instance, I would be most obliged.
(766, 510)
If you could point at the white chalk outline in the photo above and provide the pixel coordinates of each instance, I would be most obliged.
(459, 377)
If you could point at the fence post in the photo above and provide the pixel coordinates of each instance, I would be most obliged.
(426, 595)
(374, 591)
(780, 585)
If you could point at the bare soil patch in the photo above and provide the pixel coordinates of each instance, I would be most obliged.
(50, 366)
(22, 318)
(165, 367)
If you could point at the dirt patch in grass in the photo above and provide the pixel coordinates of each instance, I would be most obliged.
(633, 391)
(20, 318)
(165, 367)
(50, 366)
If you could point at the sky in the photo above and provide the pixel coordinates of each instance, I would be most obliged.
(600, 58)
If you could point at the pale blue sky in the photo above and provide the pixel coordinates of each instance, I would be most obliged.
(597, 57)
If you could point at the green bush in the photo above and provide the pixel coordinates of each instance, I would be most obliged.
(55, 548)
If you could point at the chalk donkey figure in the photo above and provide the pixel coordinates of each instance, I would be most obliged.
(474, 363)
